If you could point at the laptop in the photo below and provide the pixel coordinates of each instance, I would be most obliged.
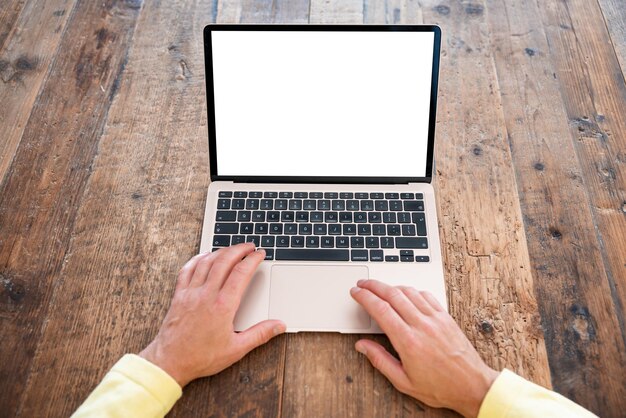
(321, 145)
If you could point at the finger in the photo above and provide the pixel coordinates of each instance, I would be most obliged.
(203, 266)
(430, 298)
(225, 262)
(186, 272)
(258, 335)
(241, 275)
(396, 298)
(384, 362)
(382, 312)
(418, 300)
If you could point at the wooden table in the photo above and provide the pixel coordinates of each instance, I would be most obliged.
(104, 173)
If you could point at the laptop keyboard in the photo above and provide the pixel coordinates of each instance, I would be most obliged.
(331, 226)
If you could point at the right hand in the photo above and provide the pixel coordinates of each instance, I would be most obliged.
(438, 365)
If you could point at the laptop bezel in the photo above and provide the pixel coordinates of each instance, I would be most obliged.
(208, 59)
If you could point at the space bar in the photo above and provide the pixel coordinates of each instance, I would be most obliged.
(312, 254)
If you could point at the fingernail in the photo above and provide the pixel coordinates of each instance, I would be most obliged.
(361, 348)
(279, 329)
(354, 290)
(361, 282)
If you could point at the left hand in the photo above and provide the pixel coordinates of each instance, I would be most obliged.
(197, 337)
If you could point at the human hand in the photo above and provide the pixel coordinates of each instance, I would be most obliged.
(197, 337)
(438, 365)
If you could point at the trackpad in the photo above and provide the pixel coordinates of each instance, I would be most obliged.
(317, 298)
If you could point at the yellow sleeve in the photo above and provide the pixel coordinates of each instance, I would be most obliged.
(134, 387)
(512, 396)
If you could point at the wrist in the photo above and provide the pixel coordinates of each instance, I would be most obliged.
(471, 405)
(154, 355)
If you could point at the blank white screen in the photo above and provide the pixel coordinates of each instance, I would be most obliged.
(322, 103)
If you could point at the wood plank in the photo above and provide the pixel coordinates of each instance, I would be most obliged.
(392, 12)
(583, 337)
(140, 219)
(47, 177)
(24, 63)
(336, 11)
(614, 12)
(8, 18)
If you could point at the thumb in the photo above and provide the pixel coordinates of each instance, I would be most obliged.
(259, 334)
(385, 363)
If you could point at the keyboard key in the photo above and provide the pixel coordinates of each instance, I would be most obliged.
(381, 205)
(349, 229)
(339, 204)
(392, 196)
(270, 195)
(406, 242)
(392, 258)
(223, 203)
(386, 242)
(226, 228)
(301, 195)
(374, 217)
(276, 229)
(377, 196)
(328, 242)
(282, 241)
(317, 217)
(331, 195)
(379, 230)
(393, 229)
(359, 255)
(241, 194)
(408, 230)
(395, 205)
(334, 229)
(238, 204)
(246, 228)
(221, 240)
(226, 215)
(365, 229)
(254, 238)
(312, 242)
(313, 254)
(419, 219)
(376, 255)
(297, 241)
(361, 195)
(407, 195)
(302, 216)
(267, 204)
(352, 205)
(357, 242)
(367, 205)
(255, 195)
(422, 258)
(252, 204)
(295, 204)
(258, 216)
(244, 215)
(225, 194)
(273, 216)
(404, 217)
(342, 242)
(280, 204)
(261, 228)
(310, 205)
(287, 216)
(267, 241)
(315, 195)
(305, 229)
(346, 195)
(406, 252)
(285, 195)
(360, 217)
(330, 217)
(414, 205)
(237, 239)
(389, 217)
(372, 242)
(405, 259)
(269, 254)
(323, 204)
(345, 217)
(291, 229)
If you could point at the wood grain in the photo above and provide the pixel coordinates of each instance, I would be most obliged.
(8, 18)
(581, 327)
(614, 14)
(39, 198)
(24, 64)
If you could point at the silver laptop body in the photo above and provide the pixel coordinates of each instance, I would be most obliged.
(321, 146)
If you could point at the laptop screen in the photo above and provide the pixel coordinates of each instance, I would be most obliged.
(322, 103)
